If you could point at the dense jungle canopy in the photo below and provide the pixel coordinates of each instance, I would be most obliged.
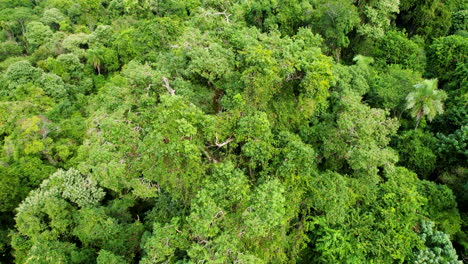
(224, 131)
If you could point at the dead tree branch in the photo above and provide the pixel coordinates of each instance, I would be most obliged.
(166, 84)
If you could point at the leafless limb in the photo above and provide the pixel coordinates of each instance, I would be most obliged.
(209, 155)
(148, 88)
(226, 15)
(166, 84)
(220, 213)
(217, 144)
(294, 76)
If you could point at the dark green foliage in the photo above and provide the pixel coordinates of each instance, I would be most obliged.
(416, 152)
(430, 19)
(441, 206)
(335, 19)
(452, 148)
(287, 15)
(396, 48)
(389, 88)
(19, 178)
(446, 56)
(460, 21)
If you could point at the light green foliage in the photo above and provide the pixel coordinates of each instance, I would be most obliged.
(95, 228)
(338, 195)
(397, 212)
(296, 163)
(19, 178)
(76, 188)
(52, 251)
(172, 150)
(146, 8)
(70, 185)
(377, 16)
(305, 77)
(53, 85)
(262, 75)
(86, 12)
(211, 62)
(30, 138)
(67, 66)
(9, 48)
(255, 132)
(67, 204)
(145, 37)
(37, 34)
(76, 43)
(425, 100)
(383, 232)
(268, 211)
(107, 257)
(37, 208)
(438, 249)
(142, 78)
(257, 217)
(211, 131)
(108, 150)
(37, 136)
(53, 17)
(14, 20)
(103, 35)
(354, 78)
(160, 245)
(21, 72)
(356, 140)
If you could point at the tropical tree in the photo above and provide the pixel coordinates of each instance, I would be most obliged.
(426, 100)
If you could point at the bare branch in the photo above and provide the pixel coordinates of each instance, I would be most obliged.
(220, 213)
(166, 84)
(209, 155)
(148, 88)
(217, 144)
(226, 15)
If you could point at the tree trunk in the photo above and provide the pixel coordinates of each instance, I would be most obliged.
(418, 119)
(216, 98)
(337, 55)
(417, 124)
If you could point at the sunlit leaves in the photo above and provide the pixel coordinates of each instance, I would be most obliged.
(362, 143)
(425, 100)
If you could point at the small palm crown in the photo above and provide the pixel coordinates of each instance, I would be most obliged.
(426, 100)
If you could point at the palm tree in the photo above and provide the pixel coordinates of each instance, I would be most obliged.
(426, 100)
